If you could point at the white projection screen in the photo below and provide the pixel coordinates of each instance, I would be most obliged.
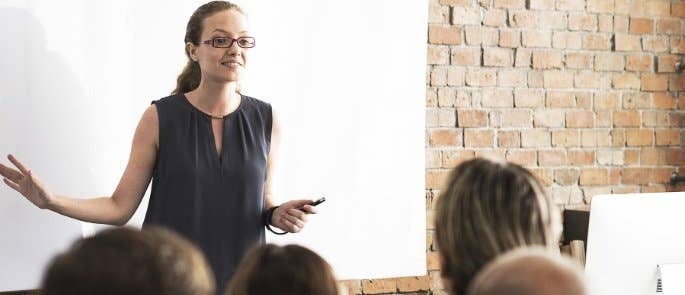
(347, 80)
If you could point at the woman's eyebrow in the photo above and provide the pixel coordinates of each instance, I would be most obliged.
(226, 32)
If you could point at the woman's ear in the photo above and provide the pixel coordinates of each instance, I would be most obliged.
(191, 50)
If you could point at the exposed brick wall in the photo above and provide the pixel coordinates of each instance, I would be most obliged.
(582, 92)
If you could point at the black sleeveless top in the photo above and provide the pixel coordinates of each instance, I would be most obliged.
(213, 200)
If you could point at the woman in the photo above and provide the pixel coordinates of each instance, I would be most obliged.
(283, 270)
(488, 209)
(208, 149)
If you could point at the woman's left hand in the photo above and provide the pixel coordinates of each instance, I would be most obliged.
(292, 216)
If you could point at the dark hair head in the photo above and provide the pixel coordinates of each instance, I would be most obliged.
(189, 79)
(276, 270)
(114, 261)
(487, 209)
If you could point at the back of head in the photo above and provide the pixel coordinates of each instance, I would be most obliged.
(292, 269)
(529, 271)
(486, 209)
(184, 269)
(114, 261)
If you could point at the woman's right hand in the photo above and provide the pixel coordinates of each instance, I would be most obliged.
(26, 183)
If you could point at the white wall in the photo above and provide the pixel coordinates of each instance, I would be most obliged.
(347, 79)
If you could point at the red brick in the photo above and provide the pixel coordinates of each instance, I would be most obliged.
(650, 8)
(631, 157)
(517, 118)
(437, 13)
(452, 158)
(535, 138)
(558, 79)
(606, 23)
(511, 78)
(466, 56)
(465, 15)
(582, 22)
(621, 24)
(661, 175)
(627, 119)
(438, 55)
(522, 19)
(547, 60)
(637, 100)
(481, 77)
(603, 119)
(609, 62)
(665, 137)
(472, 118)
(625, 42)
(508, 138)
(579, 119)
(529, 98)
(378, 286)
(455, 76)
(477, 35)
(548, 158)
(535, 79)
(678, 9)
(655, 118)
(497, 98)
(544, 175)
(436, 178)
(594, 138)
(640, 137)
(641, 25)
(493, 154)
(446, 137)
(438, 76)
(610, 158)
(479, 138)
(639, 63)
(561, 99)
(626, 81)
(669, 26)
(567, 40)
(497, 57)
(594, 176)
(549, 118)
(581, 157)
(567, 176)
(509, 38)
(663, 100)
(655, 43)
(412, 284)
(439, 34)
(677, 45)
(446, 96)
(523, 58)
(571, 5)
(510, 4)
(554, 20)
(536, 38)
(566, 138)
(666, 63)
(597, 42)
(600, 6)
(541, 4)
(578, 60)
(635, 175)
(677, 83)
(654, 82)
(587, 79)
(522, 157)
(495, 18)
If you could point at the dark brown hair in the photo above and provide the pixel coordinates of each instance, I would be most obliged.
(487, 209)
(189, 79)
(128, 261)
(114, 261)
(276, 270)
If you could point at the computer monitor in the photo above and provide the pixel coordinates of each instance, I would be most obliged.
(628, 236)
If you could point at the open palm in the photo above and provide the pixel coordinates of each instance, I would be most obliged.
(24, 182)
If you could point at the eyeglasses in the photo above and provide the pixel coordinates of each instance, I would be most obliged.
(226, 42)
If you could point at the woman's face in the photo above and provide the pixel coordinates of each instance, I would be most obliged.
(222, 65)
